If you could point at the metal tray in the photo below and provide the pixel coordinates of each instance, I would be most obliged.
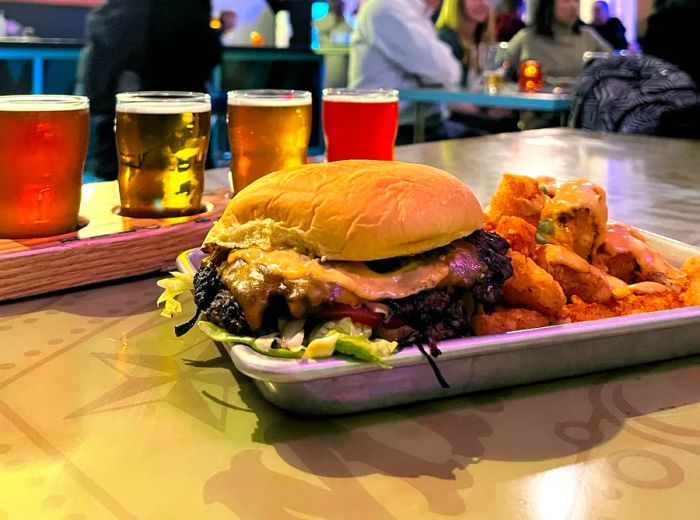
(337, 386)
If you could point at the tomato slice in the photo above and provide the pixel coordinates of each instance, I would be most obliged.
(338, 311)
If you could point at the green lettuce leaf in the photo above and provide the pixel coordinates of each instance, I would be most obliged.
(173, 287)
(263, 344)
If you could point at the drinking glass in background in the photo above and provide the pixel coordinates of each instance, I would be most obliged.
(493, 65)
(162, 141)
(360, 123)
(268, 130)
(43, 142)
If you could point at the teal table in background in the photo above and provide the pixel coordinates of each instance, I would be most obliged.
(509, 98)
(53, 65)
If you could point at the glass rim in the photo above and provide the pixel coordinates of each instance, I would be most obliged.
(269, 98)
(374, 93)
(269, 93)
(163, 96)
(44, 102)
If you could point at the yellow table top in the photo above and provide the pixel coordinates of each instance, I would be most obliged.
(104, 413)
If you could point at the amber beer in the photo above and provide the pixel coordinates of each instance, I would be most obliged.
(360, 123)
(162, 141)
(43, 141)
(268, 131)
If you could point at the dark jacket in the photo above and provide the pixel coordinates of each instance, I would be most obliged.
(635, 95)
(613, 32)
(450, 37)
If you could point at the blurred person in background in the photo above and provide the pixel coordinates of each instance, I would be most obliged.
(670, 36)
(509, 19)
(228, 19)
(395, 46)
(468, 27)
(557, 39)
(142, 45)
(610, 28)
(333, 29)
(464, 25)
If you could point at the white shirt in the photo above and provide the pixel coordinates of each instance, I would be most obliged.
(394, 45)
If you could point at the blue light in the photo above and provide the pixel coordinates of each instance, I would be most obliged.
(319, 10)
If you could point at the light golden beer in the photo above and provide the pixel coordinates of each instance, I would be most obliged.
(43, 142)
(268, 131)
(493, 80)
(162, 140)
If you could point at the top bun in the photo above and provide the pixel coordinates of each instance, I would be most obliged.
(350, 210)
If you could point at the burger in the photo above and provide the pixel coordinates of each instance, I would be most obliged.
(351, 257)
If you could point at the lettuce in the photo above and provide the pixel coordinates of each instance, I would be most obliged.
(343, 336)
(263, 344)
(353, 340)
(173, 287)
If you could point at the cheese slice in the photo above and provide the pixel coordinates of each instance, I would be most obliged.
(254, 275)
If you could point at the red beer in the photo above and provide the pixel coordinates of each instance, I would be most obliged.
(360, 124)
(43, 142)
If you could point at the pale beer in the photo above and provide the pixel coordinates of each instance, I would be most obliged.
(43, 142)
(268, 131)
(162, 141)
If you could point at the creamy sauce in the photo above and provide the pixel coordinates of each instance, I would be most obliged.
(254, 275)
(622, 239)
(579, 214)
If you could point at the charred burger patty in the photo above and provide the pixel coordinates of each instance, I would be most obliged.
(249, 294)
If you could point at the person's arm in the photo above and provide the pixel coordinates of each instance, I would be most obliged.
(413, 46)
(514, 53)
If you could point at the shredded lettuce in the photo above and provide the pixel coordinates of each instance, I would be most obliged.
(173, 287)
(326, 339)
(353, 340)
(321, 347)
(263, 344)
(365, 349)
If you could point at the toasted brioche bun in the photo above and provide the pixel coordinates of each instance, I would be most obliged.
(350, 210)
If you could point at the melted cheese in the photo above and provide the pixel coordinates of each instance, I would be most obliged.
(622, 239)
(579, 214)
(254, 275)
(355, 277)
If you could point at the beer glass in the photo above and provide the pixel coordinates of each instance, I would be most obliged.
(43, 141)
(162, 140)
(360, 123)
(268, 130)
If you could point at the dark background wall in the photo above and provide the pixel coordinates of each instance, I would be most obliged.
(49, 21)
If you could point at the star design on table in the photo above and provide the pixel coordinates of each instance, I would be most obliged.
(183, 378)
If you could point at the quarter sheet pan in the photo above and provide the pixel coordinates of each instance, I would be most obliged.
(337, 386)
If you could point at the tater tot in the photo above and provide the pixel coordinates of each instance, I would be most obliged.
(517, 196)
(691, 267)
(507, 320)
(574, 274)
(519, 233)
(532, 287)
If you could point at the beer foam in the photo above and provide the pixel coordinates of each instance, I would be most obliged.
(360, 98)
(171, 107)
(41, 104)
(269, 102)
